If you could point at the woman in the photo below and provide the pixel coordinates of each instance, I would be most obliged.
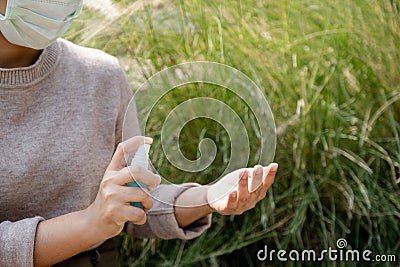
(63, 174)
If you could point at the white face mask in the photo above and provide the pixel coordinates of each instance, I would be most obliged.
(38, 23)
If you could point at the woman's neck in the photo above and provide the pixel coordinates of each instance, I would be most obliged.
(13, 56)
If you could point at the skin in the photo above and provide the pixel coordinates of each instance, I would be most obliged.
(12, 56)
(107, 215)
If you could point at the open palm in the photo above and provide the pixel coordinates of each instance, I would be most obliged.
(241, 189)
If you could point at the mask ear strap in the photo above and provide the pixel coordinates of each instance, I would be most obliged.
(7, 15)
(78, 10)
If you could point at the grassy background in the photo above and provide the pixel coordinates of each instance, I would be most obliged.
(330, 72)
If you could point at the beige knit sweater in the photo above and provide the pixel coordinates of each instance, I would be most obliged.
(60, 121)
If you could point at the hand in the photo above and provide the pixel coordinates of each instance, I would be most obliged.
(111, 208)
(241, 190)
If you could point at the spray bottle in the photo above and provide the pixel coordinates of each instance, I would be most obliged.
(141, 159)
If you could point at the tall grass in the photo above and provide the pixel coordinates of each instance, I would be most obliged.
(330, 72)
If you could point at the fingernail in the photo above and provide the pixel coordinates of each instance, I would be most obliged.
(243, 175)
(148, 140)
(233, 194)
(159, 179)
(274, 167)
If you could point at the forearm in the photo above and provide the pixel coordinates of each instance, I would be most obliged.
(192, 205)
(62, 237)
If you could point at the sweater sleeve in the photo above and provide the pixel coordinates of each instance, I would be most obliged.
(17, 242)
(161, 221)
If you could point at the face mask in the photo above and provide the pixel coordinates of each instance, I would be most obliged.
(38, 23)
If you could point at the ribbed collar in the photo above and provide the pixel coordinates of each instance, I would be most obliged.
(26, 76)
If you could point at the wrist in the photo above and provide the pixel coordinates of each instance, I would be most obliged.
(94, 226)
(191, 205)
(206, 199)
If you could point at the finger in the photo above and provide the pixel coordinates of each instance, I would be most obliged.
(256, 179)
(140, 195)
(147, 204)
(128, 194)
(269, 174)
(137, 173)
(133, 214)
(243, 189)
(231, 205)
(118, 159)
